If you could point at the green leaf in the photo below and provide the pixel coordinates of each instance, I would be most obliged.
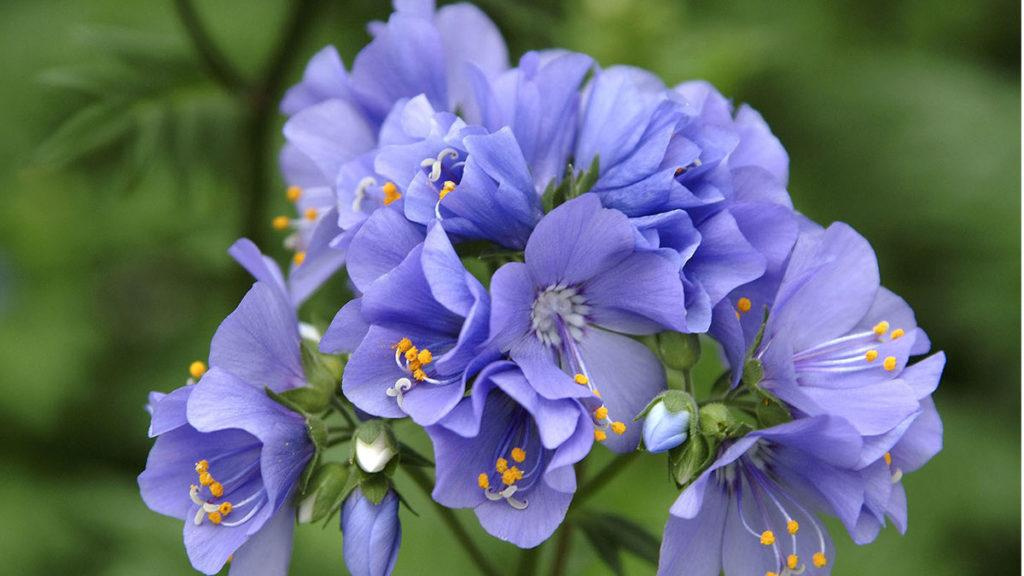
(318, 434)
(611, 534)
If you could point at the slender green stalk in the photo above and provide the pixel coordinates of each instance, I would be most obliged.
(458, 530)
(610, 471)
(217, 65)
(562, 547)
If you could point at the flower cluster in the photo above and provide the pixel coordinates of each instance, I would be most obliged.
(533, 250)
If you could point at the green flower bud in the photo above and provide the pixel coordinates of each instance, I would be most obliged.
(679, 351)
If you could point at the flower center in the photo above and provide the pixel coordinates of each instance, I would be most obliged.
(519, 460)
(559, 312)
(851, 353)
(413, 361)
(216, 511)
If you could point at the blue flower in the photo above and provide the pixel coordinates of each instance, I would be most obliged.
(373, 534)
(418, 330)
(664, 430)
(508, 453)
(755, 510)
(227, 458)
(562, 314)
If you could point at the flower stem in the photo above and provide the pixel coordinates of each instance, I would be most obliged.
(562, 547)
(458, 530)
(610, 471)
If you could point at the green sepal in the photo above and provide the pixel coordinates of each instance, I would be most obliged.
(686, 462)
(679, 351)
(573, 184)
(322, 373)
(722, 385)
(753, 373)
(327, 487)
(374, 487)
(318, 434)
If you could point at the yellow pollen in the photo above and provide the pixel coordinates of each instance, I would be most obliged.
(501, 465)
(202, 466)
(225, 508)
(581, 379)
(391, 193)
(881, 328)
(310, 214)
(518, 454)
(601, 413)
(889, 363)
(819, 560)
(511, 476)
(483, 482)
(898, 333)
(888, 459)
(215, 517)
(411, 353)
(743, 305)
(597, 393)
(205, 479)
(419, 375)
(792, 560)
(293, 193)
(600, 435)
(792, 526)
(299, 258)
(403, 344)
(425, 357)
(197, 369)
(280, 222)
(767, 538)
(871, 355)
(619, 428)
(447, 189)
(217, 489)
(770, 573)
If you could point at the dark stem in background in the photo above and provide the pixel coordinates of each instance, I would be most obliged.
(606, 474)
(258, 99)
(458, 530)
(562, 549)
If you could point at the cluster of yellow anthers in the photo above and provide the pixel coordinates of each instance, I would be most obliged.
(880, 330)
(601, 414)
(415, 359)
(216, 489)
(792, 561)
(282, 223)
(509, 474)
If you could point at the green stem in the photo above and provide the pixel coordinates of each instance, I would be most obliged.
(343, 410)
(528, 559)
(458, 530)
(217, 65)
(562, 547)
(688, 381)
(340, 439)
(606, 474)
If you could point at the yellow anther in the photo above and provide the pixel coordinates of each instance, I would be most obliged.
(819, 560)
(202, 466)
(205, 479)
(280, 222)
(225, 508)
(601, 413)
(419, 375)
(619, 428)
(767, 538)
(792, 526)
(600, 435)
(792, 560)
(770, 573)
(483, 481)
(888, 459)
(501, 465)
(425, 357)
(447, 189)
(310, 214)
(299, 258)
(889, 363)
(597, 393)
(293, 193)
(403, 344)
(215, 517)
(518, 454)
(881, 328)
(871, 355)
(743, 305)
(217, 489)
(898, 333)
(411, 353)
(511, 476)
(581, 379)
(391, 193)
(197, 369)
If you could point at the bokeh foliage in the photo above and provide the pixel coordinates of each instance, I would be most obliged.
(120, 161)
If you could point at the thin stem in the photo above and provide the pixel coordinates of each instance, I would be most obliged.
(343, 410)
(688, 381)
(562, 547)
(217, 65)
(340, 439)
(610, 471)
(528, 559)
(458, 530)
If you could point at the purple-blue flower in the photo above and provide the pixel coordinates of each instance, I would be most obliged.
(562, 315)
(419, 328)
(755, 510)
(508, 453)
(227, 458)
(372, 534)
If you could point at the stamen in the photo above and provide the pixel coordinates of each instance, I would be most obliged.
(871, 355)
(619, 428)
(280, 223)
(310, 214)
(483, 481)
(600, 435)
(888, 459)
(403, 344)
(197, 369)
(202, 466)
(518, 454)
(881, 328)
(581, 379)
(293, 193)
(743, 305)
(360, 193)
(791, 561)
(767, 538)
(897, 334)
(601, 413)
(819, 559)
(217, 489)
(501, 465)
(792, 526)
(889, 363)
(299, 258)
(391, 193)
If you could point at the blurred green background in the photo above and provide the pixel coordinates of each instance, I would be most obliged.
(126, 173)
